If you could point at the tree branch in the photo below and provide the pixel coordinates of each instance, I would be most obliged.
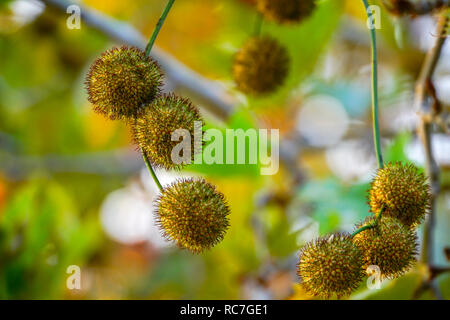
(425, 102)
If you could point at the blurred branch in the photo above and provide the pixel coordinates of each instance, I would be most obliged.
(148, 50)
(428, 107)
(426, 103)
(374, 62)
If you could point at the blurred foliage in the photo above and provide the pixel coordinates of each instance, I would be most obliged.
(240, 120)
(41, 234)
(345, 204)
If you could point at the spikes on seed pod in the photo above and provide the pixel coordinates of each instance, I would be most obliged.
(390, 245)
(122, 81)
(403, 192)
(286, 11)
(193, 214)
(153, 131)
(260, 66)
(330, 266)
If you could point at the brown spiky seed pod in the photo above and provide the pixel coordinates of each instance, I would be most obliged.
(403, 191)
(153, 131)
(390, 245)
(414, 7)
(286, 11)
(260, 66)
(193, 214)
(331, 265)
(122, 81)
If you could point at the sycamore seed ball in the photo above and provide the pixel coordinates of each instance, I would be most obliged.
(260, 66)
(331, 265)
(403, 191)
(390, 245)
(121, 81)
(153, 131)
(193, 214)
(286, 11)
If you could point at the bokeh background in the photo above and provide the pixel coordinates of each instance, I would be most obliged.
(74, 190)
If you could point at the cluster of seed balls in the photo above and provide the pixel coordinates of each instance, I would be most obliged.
(262, 64)
(414, 7)
(334, 265)
(125, 84)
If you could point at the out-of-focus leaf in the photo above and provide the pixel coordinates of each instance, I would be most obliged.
(335, 205)
(241, 120)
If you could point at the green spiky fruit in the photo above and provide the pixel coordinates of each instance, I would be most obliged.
(122, 81)
(193, 214)
(414, 7)
(403, 192)
(330, 266)
(260, 66)
(153, 131)
(390, 245)
(286, 11)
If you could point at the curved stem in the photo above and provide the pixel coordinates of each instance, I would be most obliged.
(376, 127)
(158, 27)
(427, 108)
(148, 49)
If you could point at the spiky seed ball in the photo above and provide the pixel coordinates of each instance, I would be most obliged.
(193, 214)
(331, 265)
(121, 81)
(260, 66)
(414, 7)
(390, 245)
(286, 11)
(403, 191)
(399, 7)
(153, 130)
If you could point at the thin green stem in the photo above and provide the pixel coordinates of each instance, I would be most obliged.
(376, 127)
(148, 49)
(158, 27)
(258, 25)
